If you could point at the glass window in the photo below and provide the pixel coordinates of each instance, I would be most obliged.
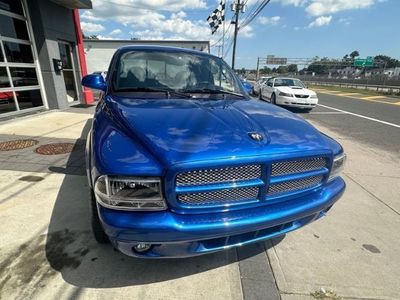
(23, 76)
(29, 99)
(13, 28)
(13, 6)
(1, 55)
(178, 71)
(65, 55)
(7, 103)
(18, 52)
(4, 82)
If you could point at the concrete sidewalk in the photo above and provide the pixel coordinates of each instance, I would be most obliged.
(47, 252)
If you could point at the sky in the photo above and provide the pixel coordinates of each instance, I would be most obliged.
(284, 28)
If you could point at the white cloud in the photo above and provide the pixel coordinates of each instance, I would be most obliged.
(346, 21)
(328, 7)
(92, 27)
(324, 7)
(246, 32)
(115, 32)
(320, 21)
(272, 20)
(293, 2)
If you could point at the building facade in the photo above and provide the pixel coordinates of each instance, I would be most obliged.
(99, 52)
(39, 62)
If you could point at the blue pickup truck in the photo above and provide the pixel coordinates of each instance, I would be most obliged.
(181, 161)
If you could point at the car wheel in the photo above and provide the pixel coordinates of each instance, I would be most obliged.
(260, 95)
(307, 110)
(273, 99)
(98, 232)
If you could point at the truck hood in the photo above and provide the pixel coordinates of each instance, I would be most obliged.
(183, 130)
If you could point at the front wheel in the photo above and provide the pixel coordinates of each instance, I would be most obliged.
(273, 99)
(98, 232)
(260, 95)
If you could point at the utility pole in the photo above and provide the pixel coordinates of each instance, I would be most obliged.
(237, 8)
(258, 68)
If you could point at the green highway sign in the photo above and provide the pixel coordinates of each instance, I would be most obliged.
(364, 62)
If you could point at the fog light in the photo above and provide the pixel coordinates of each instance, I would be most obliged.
(142, 247)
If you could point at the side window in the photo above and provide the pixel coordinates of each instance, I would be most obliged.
(269, 82)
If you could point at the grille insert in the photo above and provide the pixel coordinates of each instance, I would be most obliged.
(298, 166)
(294, 185)
(219, 197)
(222, 175)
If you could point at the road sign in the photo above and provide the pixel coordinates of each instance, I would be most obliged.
(272, 60)
(364, 62)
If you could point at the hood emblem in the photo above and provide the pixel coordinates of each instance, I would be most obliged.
(256, 136)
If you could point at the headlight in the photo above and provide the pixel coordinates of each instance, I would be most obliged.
(130, 193)
(313, 96)
(337, 166)
(285, 94)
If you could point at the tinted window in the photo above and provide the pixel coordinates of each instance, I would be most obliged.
(4, 82)
(13, 6)
(1, 55)
(29, 99)
(7, 103)
(173, 70)
(23, 76)
(13, 28)
(18, 52)
(288, 82)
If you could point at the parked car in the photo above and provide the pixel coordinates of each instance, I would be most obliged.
(290, 92)
(248, 87)
(259, 84)
(181, 161)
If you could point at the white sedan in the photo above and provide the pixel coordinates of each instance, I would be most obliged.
(259, 84)
(289, 92)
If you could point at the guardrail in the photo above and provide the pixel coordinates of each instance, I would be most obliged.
(387, 89)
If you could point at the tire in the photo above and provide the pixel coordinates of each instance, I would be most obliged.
(98, 232)
(273, 99)
(260, 95)
(307, 110)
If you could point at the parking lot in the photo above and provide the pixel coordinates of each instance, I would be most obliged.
(47, 251)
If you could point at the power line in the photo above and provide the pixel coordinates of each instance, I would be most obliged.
(255, 13)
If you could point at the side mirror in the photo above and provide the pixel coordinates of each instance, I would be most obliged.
(94, 81)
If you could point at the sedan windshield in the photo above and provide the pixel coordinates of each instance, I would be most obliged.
(173, 71)
(288, 82)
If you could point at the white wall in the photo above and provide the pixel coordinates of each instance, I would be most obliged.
(99, 53)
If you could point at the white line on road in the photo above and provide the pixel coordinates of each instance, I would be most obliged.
(360, 116)
(327, 113)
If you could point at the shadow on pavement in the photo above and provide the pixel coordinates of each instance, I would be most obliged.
(71, 250)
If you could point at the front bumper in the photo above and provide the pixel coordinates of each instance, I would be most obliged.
(297, 102)
(180, 235)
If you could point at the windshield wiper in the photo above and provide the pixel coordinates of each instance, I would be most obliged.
(212, 91)
(168, 92)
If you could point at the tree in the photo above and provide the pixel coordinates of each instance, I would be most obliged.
(292, 68)
(282, 69)
(389, 61)
(354, 54)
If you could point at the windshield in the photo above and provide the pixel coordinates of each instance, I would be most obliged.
(176, 71)
(288, 82)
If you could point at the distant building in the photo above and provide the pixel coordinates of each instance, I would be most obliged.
(99, 52)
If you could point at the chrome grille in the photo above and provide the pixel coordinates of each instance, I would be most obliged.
(217, 197)
(294, 185)
(222, 175)
(298, 166)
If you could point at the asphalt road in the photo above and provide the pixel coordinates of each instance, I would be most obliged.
(375, 122)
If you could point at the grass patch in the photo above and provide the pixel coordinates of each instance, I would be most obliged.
(325, 294)
(352, 90)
